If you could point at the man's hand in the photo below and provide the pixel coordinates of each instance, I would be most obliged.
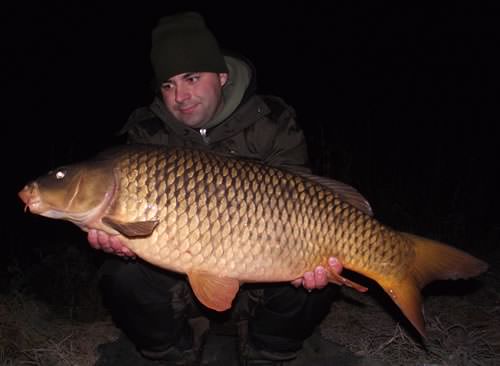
(319, 278)
(108, 243)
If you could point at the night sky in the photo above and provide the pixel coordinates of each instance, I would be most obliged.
(400, 101)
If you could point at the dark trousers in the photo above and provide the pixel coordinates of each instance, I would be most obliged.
(153, 306)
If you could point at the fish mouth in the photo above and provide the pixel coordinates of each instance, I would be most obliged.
(31, 199)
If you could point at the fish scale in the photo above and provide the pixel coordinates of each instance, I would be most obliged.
(224, 221)
(263, 225)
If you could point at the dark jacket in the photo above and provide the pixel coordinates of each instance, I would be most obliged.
(258, 127)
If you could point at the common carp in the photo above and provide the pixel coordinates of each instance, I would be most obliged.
(225, 221)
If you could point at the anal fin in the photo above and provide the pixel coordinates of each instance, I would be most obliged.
(336, 278)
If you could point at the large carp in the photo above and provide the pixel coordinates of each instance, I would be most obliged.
(226, 221)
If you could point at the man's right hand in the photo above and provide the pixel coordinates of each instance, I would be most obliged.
(108, 243)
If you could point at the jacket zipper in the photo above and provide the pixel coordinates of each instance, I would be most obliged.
(203, 133)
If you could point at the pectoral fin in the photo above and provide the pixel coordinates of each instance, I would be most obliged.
(131, 229)
(214, 292)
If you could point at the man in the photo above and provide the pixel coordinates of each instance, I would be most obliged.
(207, 100)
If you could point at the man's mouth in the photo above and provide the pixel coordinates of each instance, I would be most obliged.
(187, 109)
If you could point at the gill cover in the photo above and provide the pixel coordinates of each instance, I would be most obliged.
(77, 188)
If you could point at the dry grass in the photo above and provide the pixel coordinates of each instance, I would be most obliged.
(57, 325)
(462, 329)
(31, 334)
(51, 314)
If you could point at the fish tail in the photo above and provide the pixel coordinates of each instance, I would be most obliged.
(433, 261)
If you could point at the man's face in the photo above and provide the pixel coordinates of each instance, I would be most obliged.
(194, 98)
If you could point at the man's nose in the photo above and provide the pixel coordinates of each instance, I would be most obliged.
(182, 94)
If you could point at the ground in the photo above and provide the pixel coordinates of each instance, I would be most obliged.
(51, 315)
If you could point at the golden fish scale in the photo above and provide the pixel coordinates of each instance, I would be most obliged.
(245, 220)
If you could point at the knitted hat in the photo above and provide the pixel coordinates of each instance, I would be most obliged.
(182, 43)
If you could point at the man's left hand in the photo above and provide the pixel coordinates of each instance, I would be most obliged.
(319, 278)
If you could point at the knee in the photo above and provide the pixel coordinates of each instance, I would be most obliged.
(290, 313)
(118, 282)
(283, 298)
(136, 282)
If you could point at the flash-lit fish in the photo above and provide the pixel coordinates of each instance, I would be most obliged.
(226, 221)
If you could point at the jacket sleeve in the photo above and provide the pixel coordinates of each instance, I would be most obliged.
(288, 148)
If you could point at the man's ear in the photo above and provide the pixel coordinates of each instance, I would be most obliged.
(223, 76)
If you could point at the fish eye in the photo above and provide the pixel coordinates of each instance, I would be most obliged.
(60, 174)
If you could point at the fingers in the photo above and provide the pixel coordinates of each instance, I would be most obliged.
(119, 248)
(297, 282)
(335, 269)
(309, 281)
(319, 278)
(92, 239)
(335, 264)
(108, 243)
(315, 280)
(104, 242)
(312, 280)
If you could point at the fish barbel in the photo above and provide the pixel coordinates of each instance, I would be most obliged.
(224, 221)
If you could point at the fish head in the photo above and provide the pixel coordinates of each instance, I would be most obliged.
(76, 192)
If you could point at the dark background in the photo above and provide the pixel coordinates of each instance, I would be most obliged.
(400, 101)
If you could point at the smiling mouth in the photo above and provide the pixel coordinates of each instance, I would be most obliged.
(187, 109)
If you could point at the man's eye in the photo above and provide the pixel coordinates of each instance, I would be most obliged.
(193, 79)
(166, 86)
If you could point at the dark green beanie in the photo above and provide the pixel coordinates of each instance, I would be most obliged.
(182, 43)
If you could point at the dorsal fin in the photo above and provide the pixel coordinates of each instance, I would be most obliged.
(346, 192)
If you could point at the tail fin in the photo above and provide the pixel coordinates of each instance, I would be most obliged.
(433, 261)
